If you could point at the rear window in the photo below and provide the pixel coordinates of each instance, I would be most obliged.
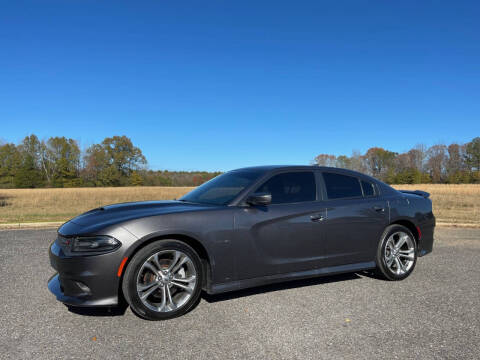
(368, 188)
(341, 186)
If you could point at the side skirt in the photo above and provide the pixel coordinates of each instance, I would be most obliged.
(271, 279)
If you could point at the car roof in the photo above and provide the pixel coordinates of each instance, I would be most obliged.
(266, 168)
(270, 168)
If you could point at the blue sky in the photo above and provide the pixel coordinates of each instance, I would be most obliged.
(215, 85)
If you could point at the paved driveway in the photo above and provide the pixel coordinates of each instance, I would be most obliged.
(433, 314)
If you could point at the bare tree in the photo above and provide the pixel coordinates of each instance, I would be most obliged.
(437, 159)
(326, 160)
(418, 156)
(343, 162)
(403, 162)
(455, 161)
(380, 162)
(357, 161)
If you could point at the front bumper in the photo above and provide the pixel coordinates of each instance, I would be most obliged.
(85, 280)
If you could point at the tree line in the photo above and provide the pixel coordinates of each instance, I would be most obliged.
(59, 162)
(452, 164)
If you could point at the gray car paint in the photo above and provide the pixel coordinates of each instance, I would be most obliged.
(243, 245)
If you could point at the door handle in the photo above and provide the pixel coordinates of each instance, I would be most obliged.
(317, 218)
(378, 209)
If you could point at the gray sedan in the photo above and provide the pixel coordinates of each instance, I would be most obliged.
(245, 228)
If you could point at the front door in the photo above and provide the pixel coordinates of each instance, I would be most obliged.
(285, 236)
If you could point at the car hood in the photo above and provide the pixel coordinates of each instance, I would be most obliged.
(96, 219)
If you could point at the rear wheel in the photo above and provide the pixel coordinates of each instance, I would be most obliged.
(397, 253)
(163, 280)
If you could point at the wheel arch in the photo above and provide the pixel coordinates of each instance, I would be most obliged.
(410, 226)
(189, 240)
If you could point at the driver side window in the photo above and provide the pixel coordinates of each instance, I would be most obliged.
(290, 187)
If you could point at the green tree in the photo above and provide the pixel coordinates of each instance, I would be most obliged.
(63, 161)
(472, 154)
(29, 173)
(28, 176)
(112, 162)
(110, 176)
(10, 161)
(136, 179)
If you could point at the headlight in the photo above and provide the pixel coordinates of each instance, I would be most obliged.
(91, 244)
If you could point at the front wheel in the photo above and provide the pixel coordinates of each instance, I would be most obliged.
(163, 280)
(397, 253)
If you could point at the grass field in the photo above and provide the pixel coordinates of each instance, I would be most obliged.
(37, 205)
(458, 204)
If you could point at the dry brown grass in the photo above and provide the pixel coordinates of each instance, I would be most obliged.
(37, 205)
(458, 204)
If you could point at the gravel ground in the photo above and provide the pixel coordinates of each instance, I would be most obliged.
(433, 314)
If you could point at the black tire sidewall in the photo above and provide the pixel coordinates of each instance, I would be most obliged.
(381, 264)
(129, 279)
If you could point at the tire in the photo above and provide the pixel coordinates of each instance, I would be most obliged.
(167, 274)
(394, 263)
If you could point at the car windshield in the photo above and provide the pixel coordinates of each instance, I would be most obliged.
(222, 189)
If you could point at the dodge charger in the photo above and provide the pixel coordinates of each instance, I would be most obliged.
(247, 227)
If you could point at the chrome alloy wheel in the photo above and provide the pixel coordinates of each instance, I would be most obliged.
(166, 280)
(399, 253)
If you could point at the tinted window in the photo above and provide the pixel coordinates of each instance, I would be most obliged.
(290, 187)
(368, 189)
(341, 186)
(222, 189)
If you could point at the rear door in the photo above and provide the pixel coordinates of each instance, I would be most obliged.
(285, 236)
(356, 218)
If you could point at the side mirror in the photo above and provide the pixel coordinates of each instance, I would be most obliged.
(259, 199)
